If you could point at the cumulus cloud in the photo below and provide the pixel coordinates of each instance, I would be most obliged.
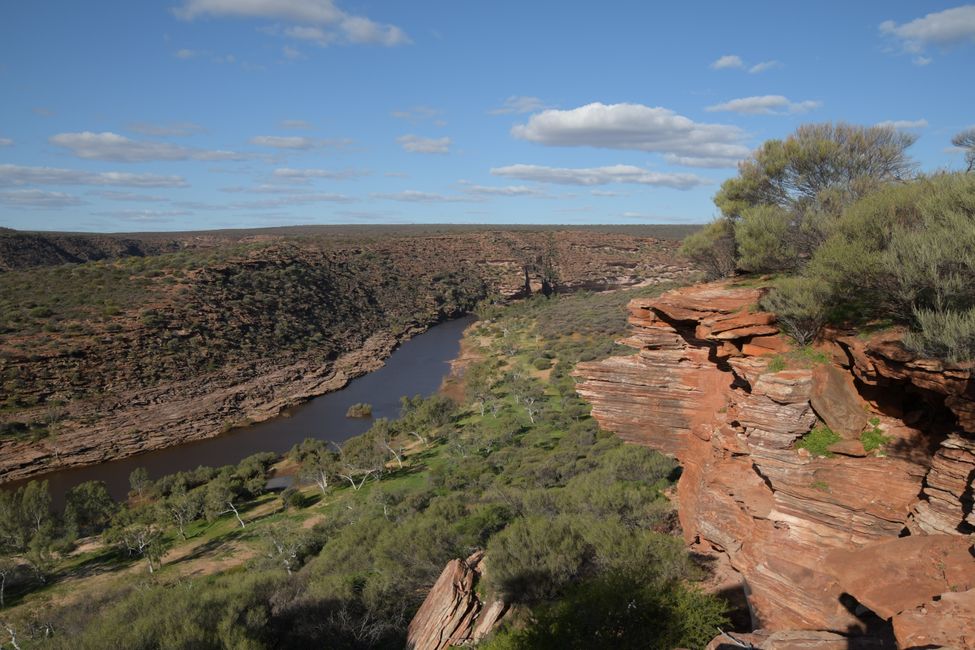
(507, 190)
(112, 146)
(292, 199)
(599, 176)
(288, 174)
(904, 124)
(316, 20)
(518, 104)
(115, 195)
(765, 105)
(419, 144)
(763, 66)
(728, 61)
(38, 199)
(634, 126)
(415, 196)
(292, 142)
(142, 215)
(20, 175)
(946, 27)
(178, 129)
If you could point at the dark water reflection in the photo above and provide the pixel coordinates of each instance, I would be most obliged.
(418, 366)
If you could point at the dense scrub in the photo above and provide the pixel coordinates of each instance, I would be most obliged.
(863, 238)
(575, 524)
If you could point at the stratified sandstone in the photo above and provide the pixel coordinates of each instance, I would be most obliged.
(699, 388)
(452, 614)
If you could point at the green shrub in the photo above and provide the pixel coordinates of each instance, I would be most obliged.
(542, 364)
(818, 441)
(712, 249)
(359, 410)
(764, 240)
(799, 305)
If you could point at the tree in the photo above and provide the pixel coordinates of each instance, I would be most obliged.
(966, 140)
(138, 531)
(139, 481)
(712, 249)
(818, 163)
(386, 439)
(35, 504)
(184, 506)
(88, 508)
(223, 494)
(361, 458)
(317, 463)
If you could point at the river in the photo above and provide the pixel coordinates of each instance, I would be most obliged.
(418, 366)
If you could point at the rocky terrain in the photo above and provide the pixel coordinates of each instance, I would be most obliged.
(138, 351)
(836, 546)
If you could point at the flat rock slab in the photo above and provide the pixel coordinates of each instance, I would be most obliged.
(900, 574)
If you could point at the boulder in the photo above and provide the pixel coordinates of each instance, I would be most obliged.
(945, 622)
(837, 402)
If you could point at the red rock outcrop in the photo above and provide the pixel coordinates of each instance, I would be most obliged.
(700, 388)
(452, 614)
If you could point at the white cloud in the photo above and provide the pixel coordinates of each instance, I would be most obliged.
(765, 105)
(728, 61)
(6, 142)
(599, 176)
(634, 126)
(292, 53)
(508, 190)
(163, 130)
(518, 104)
(415, 196)
(112, 146)
(946, 27)
(291, 142)
(42, 111)
(921, 61)
(605, 193)
(332, 24)
(292, 199)
(288, 174)
(186, 54)
(763, 66)
(419, 144)
(114, 195)
(38, 199)
(142, 215)
(20, 175)
(904, 124)
(301, 125)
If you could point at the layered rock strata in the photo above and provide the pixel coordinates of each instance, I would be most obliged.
(710, 385)
(452, 614)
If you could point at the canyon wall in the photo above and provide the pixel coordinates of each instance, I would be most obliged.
(843, 543)
(107, 360)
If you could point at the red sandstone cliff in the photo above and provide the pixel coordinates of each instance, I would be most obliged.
(820, 543)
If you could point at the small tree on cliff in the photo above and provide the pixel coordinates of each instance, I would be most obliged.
(966, 140)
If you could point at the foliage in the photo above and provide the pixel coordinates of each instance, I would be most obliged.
(874, 437)
(799, 306)
(713, 249)
(763, 237)
(966, 140)
(817, 442)
(359, 410)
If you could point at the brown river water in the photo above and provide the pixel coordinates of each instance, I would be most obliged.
(418, 366)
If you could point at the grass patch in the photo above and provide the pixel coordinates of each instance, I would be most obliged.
(874, 438)
(818, 441)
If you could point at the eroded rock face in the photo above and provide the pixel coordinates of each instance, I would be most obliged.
(452, 614)
(699, 388)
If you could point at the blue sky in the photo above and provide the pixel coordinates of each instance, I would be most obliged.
(191, 114)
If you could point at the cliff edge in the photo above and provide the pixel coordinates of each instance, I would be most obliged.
(837, 481)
